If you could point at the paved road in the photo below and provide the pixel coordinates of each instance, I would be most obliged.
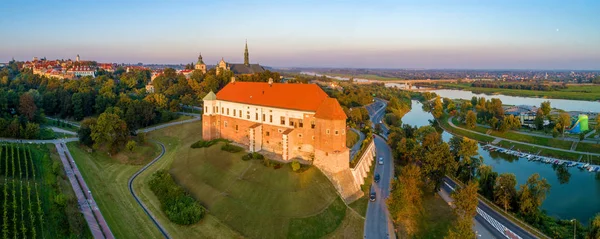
(145, 130)
(378, 222)
(38, 141)
(495, 223)
(514, 141)
(59, 130)
(356, 147)
(130, 183)
(88, 206)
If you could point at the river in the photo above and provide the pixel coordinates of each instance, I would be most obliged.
(577, 198)
(568, 105)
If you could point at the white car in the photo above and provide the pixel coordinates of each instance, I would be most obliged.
(380, 161)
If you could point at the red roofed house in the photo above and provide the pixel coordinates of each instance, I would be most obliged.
(291, 120)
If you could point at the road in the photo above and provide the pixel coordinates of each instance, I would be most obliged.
(59, 130)
(38, 141)
(356, 147)
(378, 222)
(376, 113)
(87, 204)
(137, 199)
(148, 129)
(490, 220)
(519, 142)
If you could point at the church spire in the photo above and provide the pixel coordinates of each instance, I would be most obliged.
(246, 55)
(200, 61)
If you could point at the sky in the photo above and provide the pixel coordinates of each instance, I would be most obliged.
(432, 34)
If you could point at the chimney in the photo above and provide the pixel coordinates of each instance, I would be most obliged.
(270, 81)
(233, 79)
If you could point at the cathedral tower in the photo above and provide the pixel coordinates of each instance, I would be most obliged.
(246, 55)
(200, 64)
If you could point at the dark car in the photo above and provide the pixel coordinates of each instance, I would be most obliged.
(372, 197)
(377, 178)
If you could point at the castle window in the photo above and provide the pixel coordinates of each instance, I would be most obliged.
(255, 116)
(300, 124)
(299, 135)
(291, 122)
(236, 127)
(227, 111)
(234, 113)
(263, 118)
(225, 124)
(279, 130)
(205, 109)
(222, 110)
(240, 113)
(337, 132)
(267, 133)
(247, 114)
(282, 120)
(271, 118)
(327, 131)
(313, 138)
(312, 124)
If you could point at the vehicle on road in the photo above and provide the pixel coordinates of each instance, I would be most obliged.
(377, 177)
(380, 160)
(372, 197)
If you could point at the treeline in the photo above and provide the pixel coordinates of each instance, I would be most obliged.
(520, 85)
(175, 202)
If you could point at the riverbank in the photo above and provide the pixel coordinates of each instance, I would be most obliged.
(573, 92)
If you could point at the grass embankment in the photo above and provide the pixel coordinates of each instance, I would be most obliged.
(437, 218)
(444, 123)
(258, 201)
(107, 178)
(351, 138)
(573, 92)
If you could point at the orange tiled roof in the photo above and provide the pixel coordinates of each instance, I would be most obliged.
(306, 97)
(330, 109)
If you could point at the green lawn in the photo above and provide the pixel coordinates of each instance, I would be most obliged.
(550, 142)
(588, 147)
(446, 126)
(257, 201)
(351, 138)
(107, 178)
(437, 218)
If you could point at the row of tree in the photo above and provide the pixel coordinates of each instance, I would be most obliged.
(520, 85)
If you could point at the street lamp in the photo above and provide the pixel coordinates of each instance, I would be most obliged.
(574, 227)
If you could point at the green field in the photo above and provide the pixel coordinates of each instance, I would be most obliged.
(37, 198)
(446, 126)
(573, 92)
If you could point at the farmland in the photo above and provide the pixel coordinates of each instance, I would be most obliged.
(36, 200)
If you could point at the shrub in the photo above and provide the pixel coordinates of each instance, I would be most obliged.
(177, 204)
(131, 145)
(247, 157)
(295, 166)
(46, 133)
(231, 148)
(256, 155)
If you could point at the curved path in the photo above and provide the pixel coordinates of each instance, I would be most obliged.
(137, 199)
(519, 142)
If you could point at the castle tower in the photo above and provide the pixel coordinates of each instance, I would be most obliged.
(209, 119)
(331, 153)
(246, 55)
(200, 64)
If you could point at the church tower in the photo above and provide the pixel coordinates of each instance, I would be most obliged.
(77, 59)
(200, 64)
(246, 55)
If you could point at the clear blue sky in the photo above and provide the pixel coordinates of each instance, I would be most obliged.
(544, 34)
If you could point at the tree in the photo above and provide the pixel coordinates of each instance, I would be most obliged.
(597, 128)
(465, 107)
(471, 119)
(468, 164)
(474, 101)
(27, 106)
(438, 162)
(465, 208)
(564, 119)
(405, 201)
(110, 129)
(532, 194)
(487, 179)
(85, 131)
(131, 145)
(539, 119)
(504, 190)
(546, 108)
(32, 131)
(438, 108)
(594, 232)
